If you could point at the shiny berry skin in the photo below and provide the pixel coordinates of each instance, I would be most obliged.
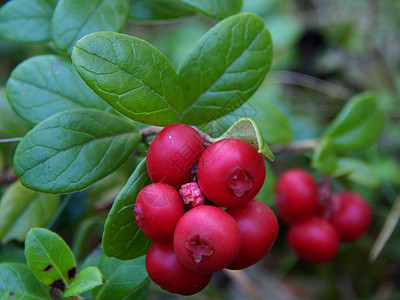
(157, 210)
(230, 172)
(350, 214)
(206, 239)
(296, 196)
(314, 240)
(258, 227)
(173, 153)
(165, 270)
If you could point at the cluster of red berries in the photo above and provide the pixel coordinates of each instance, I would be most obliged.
(181, 211)
(318, 226)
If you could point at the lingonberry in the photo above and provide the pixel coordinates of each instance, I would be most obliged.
(165, 270)
(350, 214)
(296, 196)
(173, 153)
(258, 228)
(157, 210)
(314, 240)
(230, 172)
(206, 239)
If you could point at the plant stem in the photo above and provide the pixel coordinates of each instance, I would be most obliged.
(10, 140)
(311, 144)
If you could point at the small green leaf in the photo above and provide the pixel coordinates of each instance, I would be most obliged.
(122, 238)
(247, 130)
(358, 124)
(225, 67)
(122, 279)
(87, 279)
(130, 75)
(325, 158)
(215, 8)
(45, 85)
(26, 21)
(74, 19)
(22, 209)
(49, 258)
(10, 124)
(357, 171)
(145, 10)
(71, 150)
(18, 282)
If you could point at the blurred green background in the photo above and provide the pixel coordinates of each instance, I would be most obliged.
(325, 51)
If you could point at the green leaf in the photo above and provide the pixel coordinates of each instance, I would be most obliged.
(145, 10)
(45, 85)
(215, 8)
(74, 19)
(225, 67)
(22, 209)
(358, 124)
(71, 150)
(247, 130)
(357, 171)
(87, 279)
(122, 238)
(324, 158)
(267, 191)
(122, 279)
(130, 75)
(49, 258)
(10, 124)
(26, 21)
(18, 282)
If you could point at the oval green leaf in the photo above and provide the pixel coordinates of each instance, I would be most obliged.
(18, 282)
(71, 150)
(147, 10)
(122, 238)
(74, 19)
(325, 158)
(49, 258)
(22, 209)
(86, 280)
(357, 171)
(10, 124)
(122, 279)
(358, 124)
(26, 21)
(247, 130)
(131, 75)
(45, 85)
(215, 8)
(225, 67)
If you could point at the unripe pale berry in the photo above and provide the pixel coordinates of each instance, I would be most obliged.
(258, 227)
(314, 240)
(157, 210)
(350, 214)
(230, 172)
(173, 153)
(165, 270)
(296, 196)
(206, 239)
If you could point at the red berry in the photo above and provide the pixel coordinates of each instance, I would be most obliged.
(314, 240)
(173, 153)
(191, 195)
(165, 270)
(206, 239)
(258, 227)
(157, 210)
(296, 196)
(350, 214)
(230, 172)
